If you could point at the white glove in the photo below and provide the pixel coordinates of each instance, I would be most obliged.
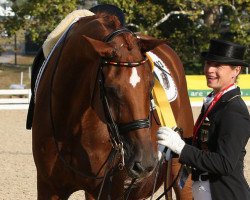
(169, 138)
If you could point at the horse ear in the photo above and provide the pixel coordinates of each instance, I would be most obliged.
(149, 44)
(103, 49)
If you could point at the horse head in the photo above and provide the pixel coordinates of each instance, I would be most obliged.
(121, 97)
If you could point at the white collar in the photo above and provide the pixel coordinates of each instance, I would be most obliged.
(208, 99)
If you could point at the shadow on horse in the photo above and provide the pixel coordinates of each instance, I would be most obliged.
(92, 127)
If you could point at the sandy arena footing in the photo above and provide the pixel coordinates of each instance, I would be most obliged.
(17, 169)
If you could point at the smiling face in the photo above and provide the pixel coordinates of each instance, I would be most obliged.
(219, 75)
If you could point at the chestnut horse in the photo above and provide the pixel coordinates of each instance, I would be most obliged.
(184, 118)
(91, 126)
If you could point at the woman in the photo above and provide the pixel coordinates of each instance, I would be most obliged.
(221, 132)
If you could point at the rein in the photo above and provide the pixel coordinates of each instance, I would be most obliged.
(166, 189)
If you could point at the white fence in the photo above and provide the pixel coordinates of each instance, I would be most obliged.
(20, 98)
(14, 99)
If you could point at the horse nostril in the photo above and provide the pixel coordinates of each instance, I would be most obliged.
(138, 167)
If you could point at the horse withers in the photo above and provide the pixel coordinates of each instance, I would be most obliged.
(91, 124)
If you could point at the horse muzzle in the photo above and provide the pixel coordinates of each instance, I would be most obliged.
(138, 170)
(140, 165)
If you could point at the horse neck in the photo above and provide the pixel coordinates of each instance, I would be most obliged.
(72, 83)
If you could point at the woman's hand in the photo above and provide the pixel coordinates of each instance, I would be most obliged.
(171, 139)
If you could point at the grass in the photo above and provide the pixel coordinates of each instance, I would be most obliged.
(11, 74)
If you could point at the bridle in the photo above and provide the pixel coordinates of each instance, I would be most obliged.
(116, 129)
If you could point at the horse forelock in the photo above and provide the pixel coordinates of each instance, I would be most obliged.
(110, 21)
(98, 26)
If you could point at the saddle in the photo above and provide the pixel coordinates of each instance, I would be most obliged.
(44, 52)
(37, 64)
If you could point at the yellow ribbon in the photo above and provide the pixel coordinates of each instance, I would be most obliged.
(163, 106)
(165, 115)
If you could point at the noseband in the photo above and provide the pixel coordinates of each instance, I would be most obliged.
(116, 129)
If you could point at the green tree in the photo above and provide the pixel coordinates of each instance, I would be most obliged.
(188, 25)
(202, 20)
(38, 17)
(140, 15)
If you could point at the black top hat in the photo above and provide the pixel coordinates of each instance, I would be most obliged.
(225, 52)
(111, 9)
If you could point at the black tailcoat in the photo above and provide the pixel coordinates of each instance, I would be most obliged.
(228, 135)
